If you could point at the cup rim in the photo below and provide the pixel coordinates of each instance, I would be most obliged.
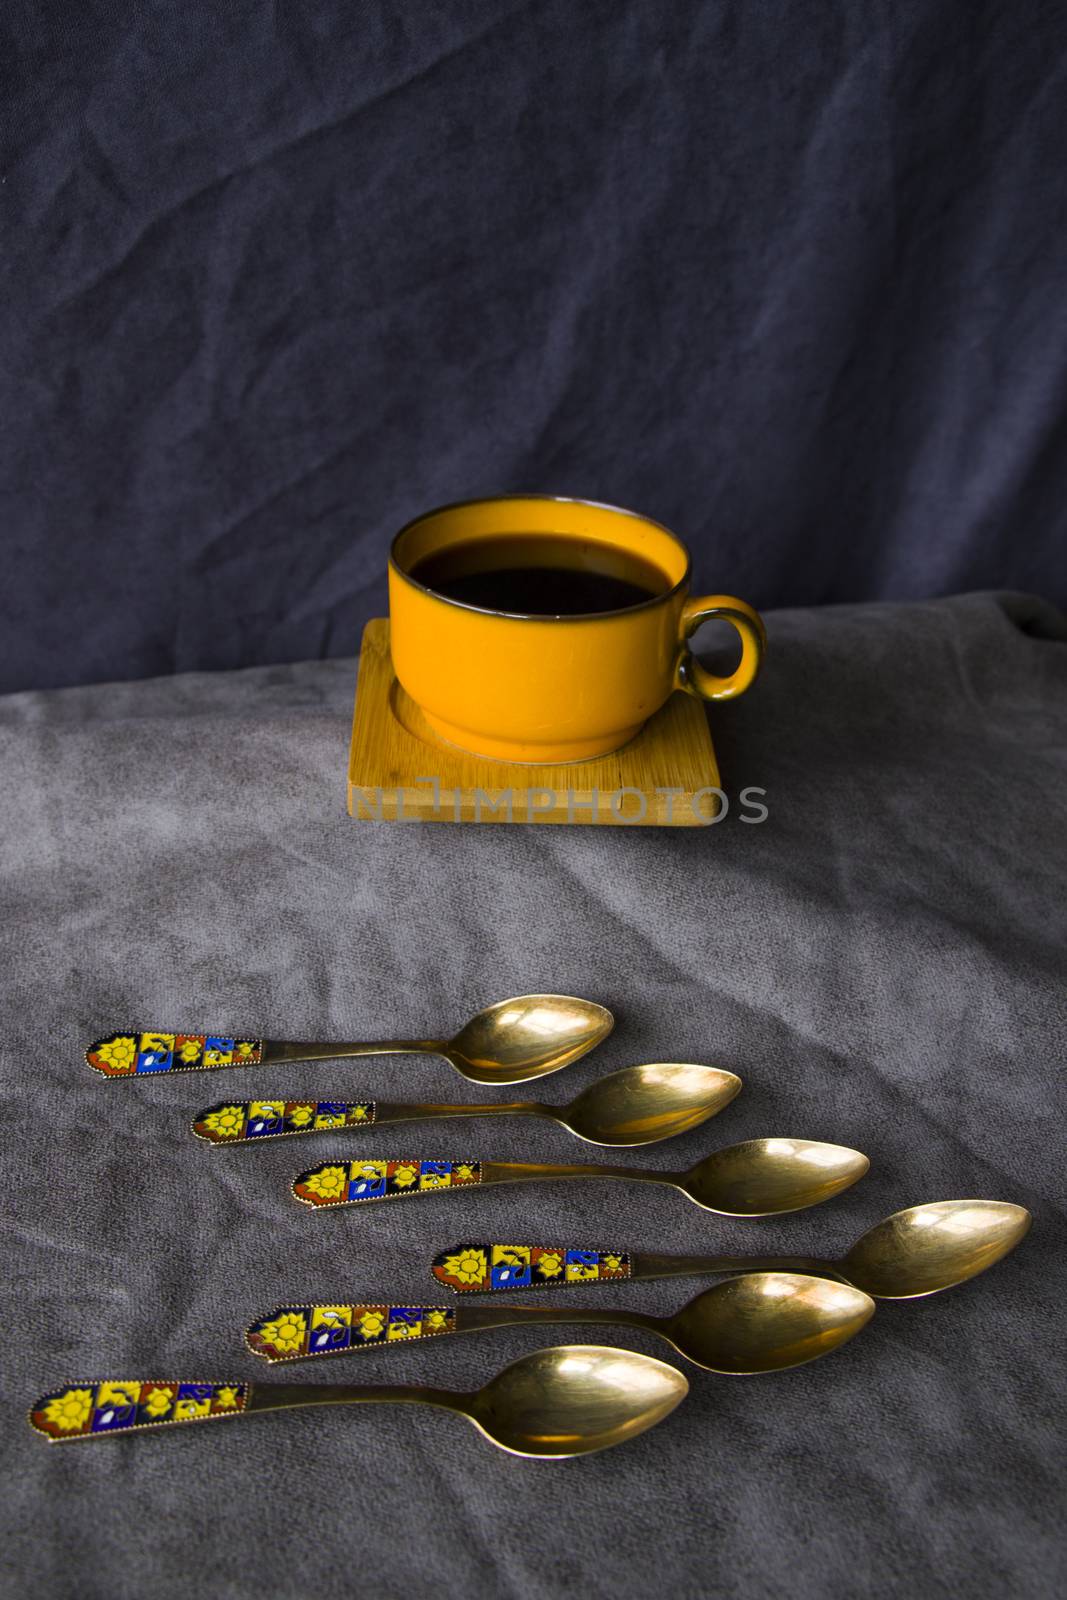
(541, 616)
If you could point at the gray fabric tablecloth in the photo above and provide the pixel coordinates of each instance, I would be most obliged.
(882, 960)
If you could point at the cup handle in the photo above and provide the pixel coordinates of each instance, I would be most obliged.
(697, 680)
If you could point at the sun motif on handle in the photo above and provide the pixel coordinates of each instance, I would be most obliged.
(70, 1411)
(469, 1266)
(285, 1333)
(118, 1053)
(227, 1122)
(329, 1184)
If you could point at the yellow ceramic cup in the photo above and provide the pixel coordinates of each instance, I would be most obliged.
(545, 688)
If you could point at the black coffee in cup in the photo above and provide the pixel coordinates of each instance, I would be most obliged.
(541, 575)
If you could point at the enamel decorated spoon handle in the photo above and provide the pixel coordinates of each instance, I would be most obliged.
(297, 1333)
(100, 1409)
(131, 1053)
(352, 1183)
(485, 1268)
(240, 1121)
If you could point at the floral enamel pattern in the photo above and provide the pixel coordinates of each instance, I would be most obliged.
(292, 1333)
(233, 1120)
(350, 1182)
(84, 1409)
(123, 1055)
(480, 1268)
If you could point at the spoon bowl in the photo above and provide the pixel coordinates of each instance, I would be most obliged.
(527, 1037)
(642, 1105)
(765, 1177)
(574, 1399)
(928, 1248)
(767, 1321)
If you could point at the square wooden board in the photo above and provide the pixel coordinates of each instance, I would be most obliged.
(400, 771)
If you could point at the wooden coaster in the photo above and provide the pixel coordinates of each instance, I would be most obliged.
(400, 771)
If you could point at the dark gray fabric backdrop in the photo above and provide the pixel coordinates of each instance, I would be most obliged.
(882, 960)
(275, 277)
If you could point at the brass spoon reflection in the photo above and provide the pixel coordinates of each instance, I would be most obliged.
(913, 1253)
(756, 1179)
(525, 1037)
(566, 1401)
(916, 1252)
(639, 1105)
(762, 1322)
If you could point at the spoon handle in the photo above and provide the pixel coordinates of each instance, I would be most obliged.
(130, 1053)
(95, 1410)
(356, 1182)
(655, 1266)
(298, 1333)
(238, 1121)
(538, 1171)
(485, 1268)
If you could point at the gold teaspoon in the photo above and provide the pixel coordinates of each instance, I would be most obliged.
(762, 1322)
(639, 1105)
(566, 1401)
(525, 1037)
(758, 1178)
(916, 1252)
